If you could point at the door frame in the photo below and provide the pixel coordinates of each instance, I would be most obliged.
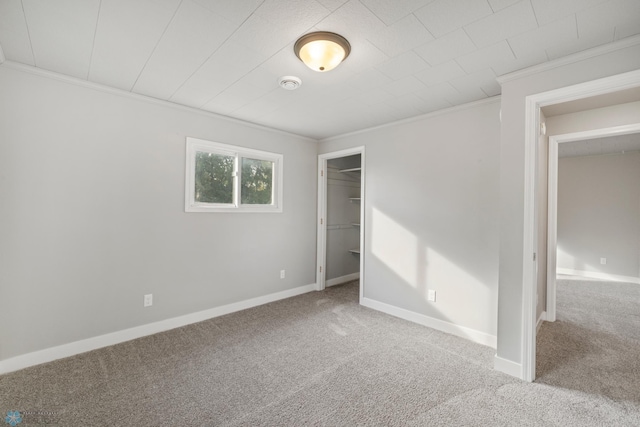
(321, 251)
(552, 224)
(533, 103)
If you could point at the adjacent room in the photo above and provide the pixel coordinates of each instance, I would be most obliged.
(319, 212)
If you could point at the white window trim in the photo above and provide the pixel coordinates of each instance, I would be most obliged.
(194, 145)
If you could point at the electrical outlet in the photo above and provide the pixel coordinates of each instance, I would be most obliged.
(282, 274)
(148, 300)
(603, 261)
(431, 295)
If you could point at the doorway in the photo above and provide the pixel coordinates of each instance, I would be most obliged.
(555, 144)
(341, 221)
(533, 105)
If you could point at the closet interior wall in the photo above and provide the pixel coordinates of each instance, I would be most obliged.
(343, 217)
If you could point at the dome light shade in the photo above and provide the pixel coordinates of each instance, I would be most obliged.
(322, 51)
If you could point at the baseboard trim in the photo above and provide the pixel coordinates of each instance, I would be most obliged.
(440, 325)
(507, 366)
(342, 279)
(596, 275)
(94, 343)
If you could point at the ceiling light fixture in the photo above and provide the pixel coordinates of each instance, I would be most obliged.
(322, 51)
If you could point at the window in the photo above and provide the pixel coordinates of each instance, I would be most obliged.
(226, 178)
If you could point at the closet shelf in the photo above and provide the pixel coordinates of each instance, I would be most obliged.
(354, 199)
(355, 251)
(350, 170)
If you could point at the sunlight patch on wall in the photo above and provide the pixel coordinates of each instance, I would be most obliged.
(395, 246)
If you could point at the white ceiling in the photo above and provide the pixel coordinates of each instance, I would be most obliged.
(409, 57)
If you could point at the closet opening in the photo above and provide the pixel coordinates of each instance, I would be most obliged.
(341, 218)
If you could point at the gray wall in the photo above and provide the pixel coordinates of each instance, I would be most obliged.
(92, 215)
(599, 213)
(431, 214)
(514, 92)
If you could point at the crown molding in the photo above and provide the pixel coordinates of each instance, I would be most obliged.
(571, 59)
(144, 98)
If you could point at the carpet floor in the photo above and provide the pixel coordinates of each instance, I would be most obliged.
(319, 359)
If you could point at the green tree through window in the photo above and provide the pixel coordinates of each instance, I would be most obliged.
(214, 178)
(257, 182)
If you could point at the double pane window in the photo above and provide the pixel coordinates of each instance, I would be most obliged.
(226, 178)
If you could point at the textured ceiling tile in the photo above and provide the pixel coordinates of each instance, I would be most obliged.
(506, 23)
(433, 103)
(262, 78)
(405, 106)
(392, 11)
(369, 79)
(269, 103)
(124, 41)
(364, 56)
(446, 48)
(14, 37)
(191, 38)
(401, 37)
(257, 34)
(483, 79)
(233, 10)
(403, 65)
(235, 97)
(542, 38)
(404, 86)
(495, 55)
(372, 97)
(523, 61)
(227, 65)
(552, 10)
(471, 95)
(600, 20)
(439, 91)
(226, 103)
(332, 4)
(497, 5)
(294, 16)
(62, 34)
(444, 16)
(586, 42)
(352, 21)
(440, 73)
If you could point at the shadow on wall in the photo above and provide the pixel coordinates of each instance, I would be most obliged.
(422, 268)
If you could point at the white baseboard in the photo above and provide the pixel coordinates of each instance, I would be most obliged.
(94, 343)
(342, 279)
(542, 318)
(507, 366)
(451, 328)
(597, 275)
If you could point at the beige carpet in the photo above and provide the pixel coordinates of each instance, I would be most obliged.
(594, 345)
(319, 359)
